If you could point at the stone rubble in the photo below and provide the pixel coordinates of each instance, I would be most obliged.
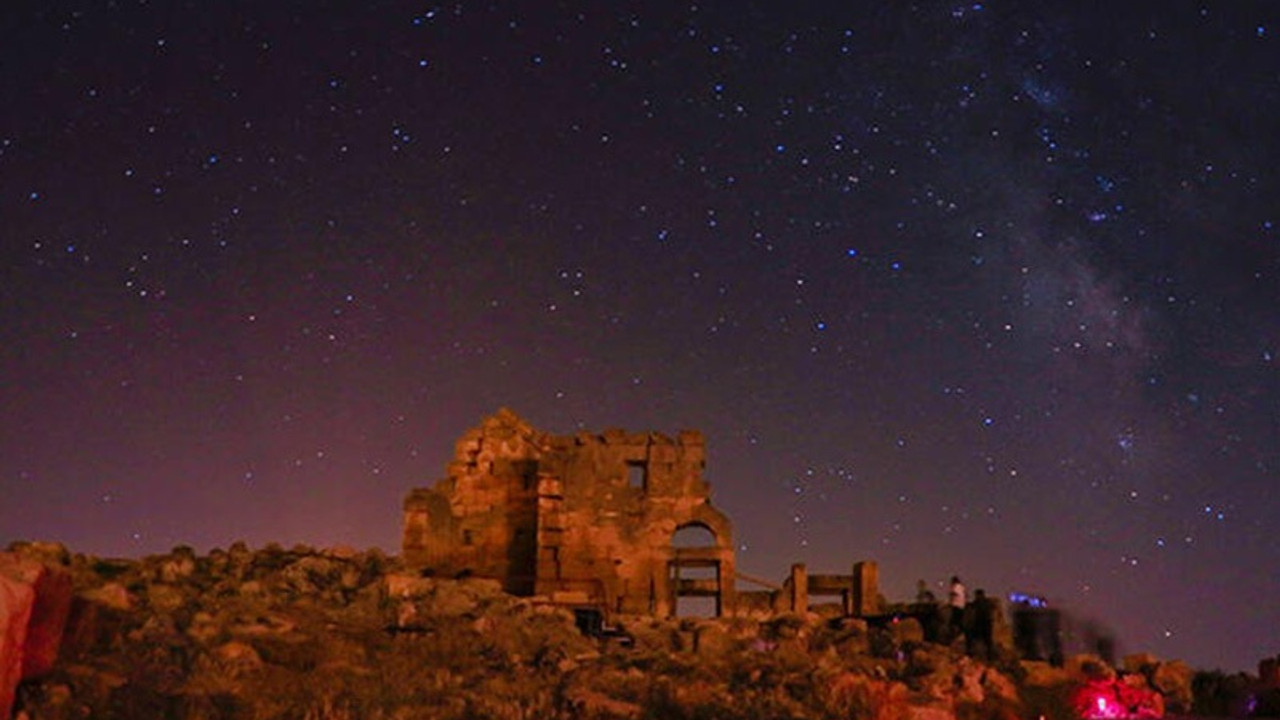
(328, 635)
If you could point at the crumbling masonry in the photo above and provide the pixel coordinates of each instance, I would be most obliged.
(588, 519)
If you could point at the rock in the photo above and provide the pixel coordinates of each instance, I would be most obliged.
(851, 694)
(784, 627)
(17, 599)
(239, 560)
(252, 588)
(1173, 680)
(312, 575)
(1037, 673)
(906, 631)
(48, 620)
(265, 625)
(588, 703)
(1138, 662)
(403, 586)
(203, 628)
(165, 598)
(929, 712)
(1086, 667)
(852, 638)
(968, 683)
(112, 595)
(35, 600)
(236, 658)
(50, 554)
(998, 686)
(711, 639)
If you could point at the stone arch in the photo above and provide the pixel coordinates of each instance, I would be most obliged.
(711, 520)
(693, 535)
(699, 575)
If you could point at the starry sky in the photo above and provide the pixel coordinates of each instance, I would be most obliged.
(978, 288)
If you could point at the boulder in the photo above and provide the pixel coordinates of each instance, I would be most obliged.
(17, 599)
(1087, 668)
(906, 631)
(968, 682)
(711, 639)
(111, 595)
(165, 598)
(852, 638)
(1138, 662)
(46, 619)
(236, 658)
(999, 686)
(1173, 680)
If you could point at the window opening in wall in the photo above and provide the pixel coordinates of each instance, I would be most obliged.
(698, 605)
(467, 539)
(637, 475)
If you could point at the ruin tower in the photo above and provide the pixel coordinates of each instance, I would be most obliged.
(582, 519)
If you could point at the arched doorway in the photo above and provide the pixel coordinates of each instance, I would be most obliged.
(695, 571)
(693, 535)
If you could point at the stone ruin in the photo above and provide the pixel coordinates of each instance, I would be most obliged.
(591, 520)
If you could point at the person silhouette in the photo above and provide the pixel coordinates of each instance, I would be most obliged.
(982, 626)
(956, 601)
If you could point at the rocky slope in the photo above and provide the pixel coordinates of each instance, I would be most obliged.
(335, 634)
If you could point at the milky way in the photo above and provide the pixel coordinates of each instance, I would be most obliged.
(975, 288)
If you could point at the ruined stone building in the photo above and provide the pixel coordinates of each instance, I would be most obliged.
(595, 519)
(582, 518)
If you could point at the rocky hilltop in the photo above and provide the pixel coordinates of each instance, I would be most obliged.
(335, 634)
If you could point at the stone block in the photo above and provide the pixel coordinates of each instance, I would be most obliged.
(51, 605)
(17, 599)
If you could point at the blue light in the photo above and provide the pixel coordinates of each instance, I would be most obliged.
(1034, 601)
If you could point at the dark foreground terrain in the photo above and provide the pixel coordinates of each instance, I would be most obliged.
(336, 634)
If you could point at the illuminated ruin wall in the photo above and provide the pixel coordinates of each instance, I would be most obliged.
(586, 518)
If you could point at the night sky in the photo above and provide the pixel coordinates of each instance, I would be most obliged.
(978, 288)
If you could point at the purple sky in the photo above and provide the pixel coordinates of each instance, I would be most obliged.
(975, 288)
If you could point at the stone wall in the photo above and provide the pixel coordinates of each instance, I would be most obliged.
(588, 518)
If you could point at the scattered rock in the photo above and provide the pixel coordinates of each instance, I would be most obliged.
(333, 634)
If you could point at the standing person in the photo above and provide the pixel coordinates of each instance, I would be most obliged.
(927, 611)
(956, 599)
(980, 640)
(924, 596)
